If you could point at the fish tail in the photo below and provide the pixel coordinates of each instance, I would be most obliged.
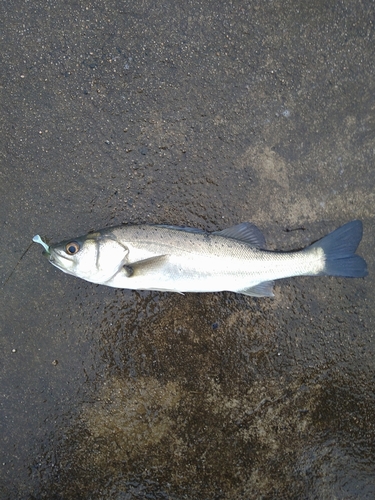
(339, 249)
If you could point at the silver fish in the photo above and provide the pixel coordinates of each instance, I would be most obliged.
(178, 259)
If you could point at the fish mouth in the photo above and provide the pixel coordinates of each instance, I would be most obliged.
(57, 259)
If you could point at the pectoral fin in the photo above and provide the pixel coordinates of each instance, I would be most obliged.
(128, 270)
(144, 266)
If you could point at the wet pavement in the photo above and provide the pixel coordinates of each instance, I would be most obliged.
(203, 115)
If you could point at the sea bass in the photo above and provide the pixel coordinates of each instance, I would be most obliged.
(180, 259)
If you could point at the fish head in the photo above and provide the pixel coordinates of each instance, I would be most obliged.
(95, 257)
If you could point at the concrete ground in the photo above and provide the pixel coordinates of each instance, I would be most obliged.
(191, 113)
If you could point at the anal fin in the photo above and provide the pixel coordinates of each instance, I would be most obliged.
(264, 289)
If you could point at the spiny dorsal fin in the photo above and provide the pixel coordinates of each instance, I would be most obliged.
(246, 232)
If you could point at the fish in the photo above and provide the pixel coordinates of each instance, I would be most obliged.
(182, 259)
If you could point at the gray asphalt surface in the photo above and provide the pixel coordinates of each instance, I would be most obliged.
(203, 114)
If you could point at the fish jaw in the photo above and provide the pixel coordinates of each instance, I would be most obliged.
(56, 260)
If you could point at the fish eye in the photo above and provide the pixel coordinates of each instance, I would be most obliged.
(72, 248)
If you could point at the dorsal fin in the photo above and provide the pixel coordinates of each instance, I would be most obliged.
(246, 232)
(184, 229)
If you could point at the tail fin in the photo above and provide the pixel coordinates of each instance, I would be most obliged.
(339, 250)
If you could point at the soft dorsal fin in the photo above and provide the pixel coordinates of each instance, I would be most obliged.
(246, 232)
